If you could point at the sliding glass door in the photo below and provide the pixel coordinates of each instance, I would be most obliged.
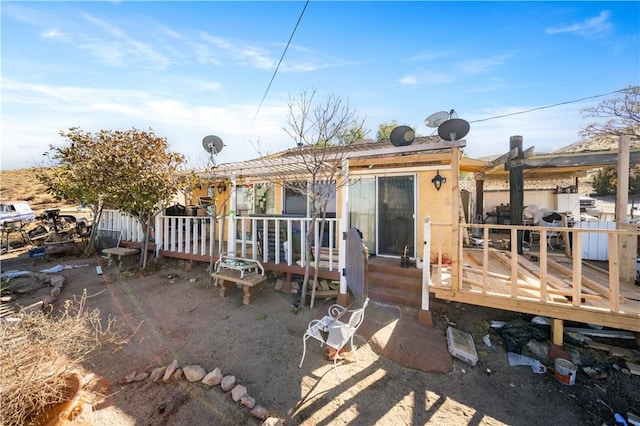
(383, 209)
(362, 210)
(396, 219)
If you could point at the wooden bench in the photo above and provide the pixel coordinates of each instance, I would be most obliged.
(251, 283)
(119, 252)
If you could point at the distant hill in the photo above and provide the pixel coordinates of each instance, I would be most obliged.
(22, 184)
(601, 143)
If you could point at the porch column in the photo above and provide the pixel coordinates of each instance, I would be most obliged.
(157, 233)
(231, 227)
(626, 243)
(342, 242)
(516, 188)
(479, 199)
(456, 243)
(424, 316)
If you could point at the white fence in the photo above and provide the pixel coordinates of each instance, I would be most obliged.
(118, 221)
(273, 239)
(595, 245)
(282, 240)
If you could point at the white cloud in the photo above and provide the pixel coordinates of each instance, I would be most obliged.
(409, 80)
(483, 65)
(593, 27)
(120, 49)
(183, 124)
(429, 56)
(55, 34)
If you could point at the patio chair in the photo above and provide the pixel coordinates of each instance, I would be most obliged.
(333, 332)
(551, 234)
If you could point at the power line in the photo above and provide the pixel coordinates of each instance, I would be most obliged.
(551, 106)
(277, 68)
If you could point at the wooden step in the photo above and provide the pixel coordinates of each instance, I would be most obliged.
(408, 284)
(395, 296)
(411, 272)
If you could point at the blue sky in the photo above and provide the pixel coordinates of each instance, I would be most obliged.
(190, 69)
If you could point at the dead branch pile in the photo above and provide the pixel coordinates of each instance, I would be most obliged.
(37, 350)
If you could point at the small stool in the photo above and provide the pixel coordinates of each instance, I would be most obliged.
(120, 252)
(251, 283)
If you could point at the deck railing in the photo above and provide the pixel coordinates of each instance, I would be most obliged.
(194, 235)
(273, 239)
(278, 239)
(538, 280)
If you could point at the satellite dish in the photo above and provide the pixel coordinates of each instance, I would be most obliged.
(402, 136)
(436, 119)
(212, 144)
(453, 129)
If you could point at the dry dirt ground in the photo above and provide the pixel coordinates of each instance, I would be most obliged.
(173, 313)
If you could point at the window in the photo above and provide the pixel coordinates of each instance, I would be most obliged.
(244, 200)
(264, 199)
(296, 201)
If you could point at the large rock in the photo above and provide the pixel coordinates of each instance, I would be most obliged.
(171, 368)
(238, 392)
(213, 378)
(141, 376)
(193, 373)
(259, 412)
(228, 382)
(157, 373)
(128, 378)
(248, 401)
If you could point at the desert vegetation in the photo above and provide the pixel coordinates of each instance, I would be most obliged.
(39, 351)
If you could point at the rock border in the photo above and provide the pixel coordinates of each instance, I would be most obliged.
(195, 373)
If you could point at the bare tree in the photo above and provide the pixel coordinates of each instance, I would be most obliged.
(622, 114)
(322, 132)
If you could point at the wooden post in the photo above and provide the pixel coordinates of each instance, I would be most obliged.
(516, 188)
(626, 243)
(479, 199)
(622, 197)
(455, 219)
(557, 330)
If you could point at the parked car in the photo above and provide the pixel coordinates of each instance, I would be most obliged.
(16, 211)
(587, 203)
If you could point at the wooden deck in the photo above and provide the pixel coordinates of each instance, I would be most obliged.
(547, 286)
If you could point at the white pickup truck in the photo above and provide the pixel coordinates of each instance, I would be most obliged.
(16, 212)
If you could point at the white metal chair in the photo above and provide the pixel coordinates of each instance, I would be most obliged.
(333, 332)
(551, 234)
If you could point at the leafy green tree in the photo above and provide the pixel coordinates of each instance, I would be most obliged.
(384, 131)
(133, 171)
(352, 134)
(605, 181)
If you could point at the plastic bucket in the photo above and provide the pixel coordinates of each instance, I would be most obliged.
(565, 371)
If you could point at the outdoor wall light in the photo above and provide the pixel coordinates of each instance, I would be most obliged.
(221, 187)
(438, 180)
